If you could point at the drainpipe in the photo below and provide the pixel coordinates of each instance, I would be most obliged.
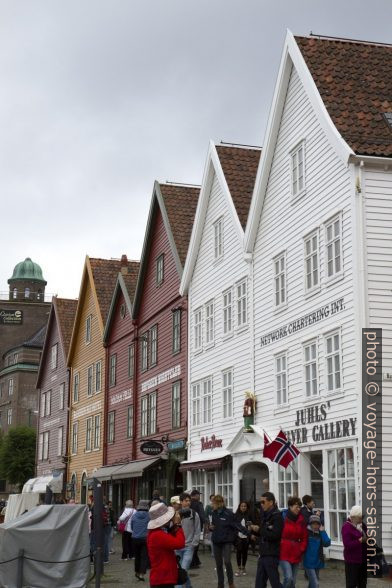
(105, 406)
(135, 395)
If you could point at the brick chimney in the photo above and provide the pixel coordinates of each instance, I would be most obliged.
(124, 264)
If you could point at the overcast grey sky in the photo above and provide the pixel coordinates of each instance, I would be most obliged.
(98, 98)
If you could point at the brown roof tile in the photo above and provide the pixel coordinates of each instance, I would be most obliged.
(66, 311)
(105, 273)
(239, 166)
(355, 82)
(180, 202)
(130, 278)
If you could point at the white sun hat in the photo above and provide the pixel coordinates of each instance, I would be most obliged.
(160, 514)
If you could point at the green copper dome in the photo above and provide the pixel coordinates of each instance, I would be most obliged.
(27, 270)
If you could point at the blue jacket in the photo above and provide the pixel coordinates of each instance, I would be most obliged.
(139, 524)
(313, 558)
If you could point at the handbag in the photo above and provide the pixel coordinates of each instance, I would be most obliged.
(122, 525)
(182, 575)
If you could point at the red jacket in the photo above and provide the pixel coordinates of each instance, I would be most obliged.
(294, 539)
(161, 546)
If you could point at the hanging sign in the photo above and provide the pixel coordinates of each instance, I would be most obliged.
(151, 447)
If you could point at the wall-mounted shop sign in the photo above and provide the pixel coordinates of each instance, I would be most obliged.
(298, 324)
(176, 445)
(93, 407)
(320, 429)
(120, 396)
(169, 374)
(210, 443)
(151, 447)
(11, 317)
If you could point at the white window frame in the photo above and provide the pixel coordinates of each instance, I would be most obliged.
(89, 434)
(330, 242)
(54, 356)
(60, 441)
(312, 261)
(76, 386)
(206, 401)
(297, 170)
(111, 426)
(288, 483)
(176, 405)
(130, 421)
(176, 331)
(74, 444)
(48, 403)
(98, 376)
(224, 483)
(218, 238)
(309, 376)
(90, 380)
(338, 481)
(227, 305)
(153, 340)
(148, 414)
(332, 355)
(209, 323)
(89, 321)
(227, 393)
(281, 378)
(45, 446)
(131, 360)
(196, 404)
(144, 416)
(97, 431)
(198, 329)
(144, 351)
(280, 280)
(62, 396)
(40, 445)
(241, 289)
(112, 370)
(9, 416)
(160, 265)
(10, 386)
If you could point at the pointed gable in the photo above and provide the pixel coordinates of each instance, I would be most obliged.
(239, 167)
(126, 284)
(354, 80)
(65, 312)
(105, 272)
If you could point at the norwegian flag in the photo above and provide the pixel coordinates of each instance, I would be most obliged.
(280, 450)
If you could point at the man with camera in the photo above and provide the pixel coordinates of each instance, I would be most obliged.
(191, 526)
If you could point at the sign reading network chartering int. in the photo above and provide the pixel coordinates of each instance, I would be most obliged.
(11, 317)
(298, 324)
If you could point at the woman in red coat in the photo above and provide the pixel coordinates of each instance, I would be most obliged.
(164, 537)
(293, 543)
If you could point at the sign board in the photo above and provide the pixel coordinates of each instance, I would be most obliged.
(11, 317)
(151, 447)
(176, 445)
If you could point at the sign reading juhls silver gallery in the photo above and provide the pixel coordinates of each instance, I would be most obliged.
(11, 317)
(301, 323)
(321, 429)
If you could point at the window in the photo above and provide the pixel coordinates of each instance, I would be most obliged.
(61, 396)
(202, 402)
(198, 481)
(15, 293)
(111, 417)
(176, 405)
(311, 261)
(98, 376)
(280, 279)
(1, 389)
(15, 358)
(228, 312)
(227, 393)
(281, 378)
(242, 310)
(112, 369)
(333, 244)
(287, 483)
(144, 352)
(332, 358)
(39, 294)
(60, 435)
(88, 329)
(196, 404)
(131, 360)
(149, 414)
(74, 438)
(45, 403)
(159, 270)
(341, 488)
(207, 401)
(89, 433)
(90, 380)
(154, 345)
(197, 328)
(209, 318)
(298, 169)
(76, 387)
(130, 422)
(27, 292)
(10, 387)
(218, 238)
(224, 481)
(54, 356)
(176, 344)
(310, 364)
(97, 431)
(9, 416)
(45, 450)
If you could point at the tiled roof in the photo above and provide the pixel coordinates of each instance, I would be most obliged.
(180, 202)
(105, 272)
(130, 278)
(36, 340)
(66, 311)
(355, 82)
(239, 166)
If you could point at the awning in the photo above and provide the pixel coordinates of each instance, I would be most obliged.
(133, 469)
(54, 481)
(208, 464)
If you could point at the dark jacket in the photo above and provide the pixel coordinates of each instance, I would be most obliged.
(306, 513)
(197, 506)
(248, 515)
(271, 528)
(139, 523)
(225, 527)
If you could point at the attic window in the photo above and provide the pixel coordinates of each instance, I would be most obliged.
(122, 310)
(388, 118)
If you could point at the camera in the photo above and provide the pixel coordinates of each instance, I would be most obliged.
(185, 513)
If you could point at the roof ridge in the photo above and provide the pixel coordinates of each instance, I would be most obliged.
(239, 146)
(179, 184)
(342, 39)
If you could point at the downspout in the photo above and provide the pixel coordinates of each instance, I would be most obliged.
(135, 395)
(105, 407)
(68, 428)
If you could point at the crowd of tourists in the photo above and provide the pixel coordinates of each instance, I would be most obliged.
(165, 539)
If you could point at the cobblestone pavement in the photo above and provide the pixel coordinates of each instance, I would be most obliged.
(121, 574)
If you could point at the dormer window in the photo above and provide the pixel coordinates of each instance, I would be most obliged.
(159, 270)
(218, 238)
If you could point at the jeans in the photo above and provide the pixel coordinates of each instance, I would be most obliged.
(313, 577)
(186, 555)
(222, 553)
(267, 569)
(289, 573)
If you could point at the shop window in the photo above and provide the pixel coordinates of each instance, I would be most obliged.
(316, 479)
(228, 312)
(198, 481)
(224, 483)
(287, 483)
(341, 488)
